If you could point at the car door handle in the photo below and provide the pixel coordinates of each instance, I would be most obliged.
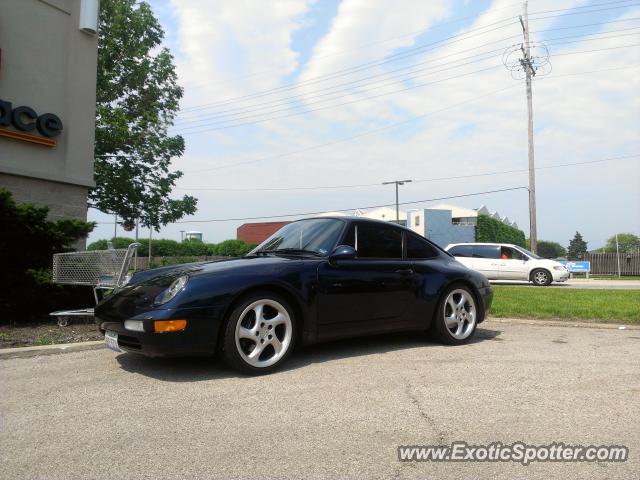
(405, 271)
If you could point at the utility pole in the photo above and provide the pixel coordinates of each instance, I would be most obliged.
(527, 66)
(397, 184)
(115, 226)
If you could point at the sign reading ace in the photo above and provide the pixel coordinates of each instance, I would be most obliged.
(26, 119)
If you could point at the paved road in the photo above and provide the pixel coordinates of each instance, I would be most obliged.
(338, 411)
(581, 283)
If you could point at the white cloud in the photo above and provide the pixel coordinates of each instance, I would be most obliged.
(577, 118)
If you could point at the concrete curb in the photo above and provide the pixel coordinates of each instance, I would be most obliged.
(24, 352)
(562, 323)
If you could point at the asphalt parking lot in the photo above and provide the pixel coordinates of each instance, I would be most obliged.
(338, 411)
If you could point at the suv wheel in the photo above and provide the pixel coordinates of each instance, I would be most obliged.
(541, 277)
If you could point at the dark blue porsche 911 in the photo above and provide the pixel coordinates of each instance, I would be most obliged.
(314, 280)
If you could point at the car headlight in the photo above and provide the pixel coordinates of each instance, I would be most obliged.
(176, 286)
(559, 267)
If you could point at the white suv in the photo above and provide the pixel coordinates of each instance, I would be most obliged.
(503, 261)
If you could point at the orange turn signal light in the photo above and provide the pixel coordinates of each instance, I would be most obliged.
(169, 325)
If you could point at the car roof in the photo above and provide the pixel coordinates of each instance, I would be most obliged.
(351, 218)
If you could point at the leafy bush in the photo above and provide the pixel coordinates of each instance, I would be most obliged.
(171, 248)
(494, 231)
(27, 243)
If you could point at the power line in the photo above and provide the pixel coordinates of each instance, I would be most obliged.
(391, 125)
(412, 34)
(199, 129)
(211, 120)
(362, 46)
(363, 66)
(435, 179)
(581, 13)
(352, 137)
(400, 55)
(350, 209)
(351, 84)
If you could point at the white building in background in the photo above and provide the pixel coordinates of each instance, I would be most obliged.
(193, 235)
(383, 213)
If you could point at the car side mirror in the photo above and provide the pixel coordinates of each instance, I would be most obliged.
(342, 252)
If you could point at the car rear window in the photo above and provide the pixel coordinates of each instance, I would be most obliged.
(461, 251)
(419, 248)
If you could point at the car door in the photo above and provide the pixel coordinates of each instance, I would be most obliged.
(486, 259)
(513, 264)
(374, 292)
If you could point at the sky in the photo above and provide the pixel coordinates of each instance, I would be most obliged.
(287, 96)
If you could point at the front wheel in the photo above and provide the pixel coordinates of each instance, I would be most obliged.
(456, 317)
(541, 278)
(260, 334)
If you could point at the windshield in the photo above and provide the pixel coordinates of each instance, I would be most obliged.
(528, 253)
(316, 236)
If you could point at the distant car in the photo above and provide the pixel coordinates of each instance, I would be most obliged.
(313, 280)
(504, 261)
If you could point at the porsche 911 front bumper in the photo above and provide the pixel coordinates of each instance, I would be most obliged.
(198, 338)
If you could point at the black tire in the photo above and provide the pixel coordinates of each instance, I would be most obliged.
(541, 277)
(230, 346)
(439, 330)
(64, 321)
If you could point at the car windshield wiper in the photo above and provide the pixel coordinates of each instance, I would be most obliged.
(293, 251)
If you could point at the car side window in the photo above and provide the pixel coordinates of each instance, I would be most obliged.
(486, 251)
(378, 241)
(350, 236)
(507, 253)
(461, 251)
(419, 248)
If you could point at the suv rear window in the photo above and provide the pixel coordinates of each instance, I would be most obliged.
(461, 251)
(486, 251)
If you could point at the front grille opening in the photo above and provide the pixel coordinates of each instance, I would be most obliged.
(126, 341)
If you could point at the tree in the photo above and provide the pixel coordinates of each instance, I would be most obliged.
(627, 243)
(136, 102)
(489, 229)
(577, 247)
(548, 249)
(27, 243)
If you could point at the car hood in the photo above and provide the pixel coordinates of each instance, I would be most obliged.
(162, 277)
(548, 263)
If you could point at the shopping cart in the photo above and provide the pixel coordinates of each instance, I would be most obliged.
(104, 270)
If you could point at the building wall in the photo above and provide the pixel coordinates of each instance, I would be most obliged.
(64, 200)
(49, 65)
(256, 233)
(437, 226)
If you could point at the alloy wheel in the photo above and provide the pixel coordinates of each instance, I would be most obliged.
(263, 333)
(541, 277)
(460, 313)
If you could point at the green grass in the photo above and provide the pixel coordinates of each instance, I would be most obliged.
(611, 306)
(48, 339)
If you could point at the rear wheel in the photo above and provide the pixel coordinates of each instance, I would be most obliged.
(541, 277)
(456, 317)
(260, 334)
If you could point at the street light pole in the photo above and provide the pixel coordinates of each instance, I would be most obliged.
(397, 183)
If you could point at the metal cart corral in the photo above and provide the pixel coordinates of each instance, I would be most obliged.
(101, 269)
